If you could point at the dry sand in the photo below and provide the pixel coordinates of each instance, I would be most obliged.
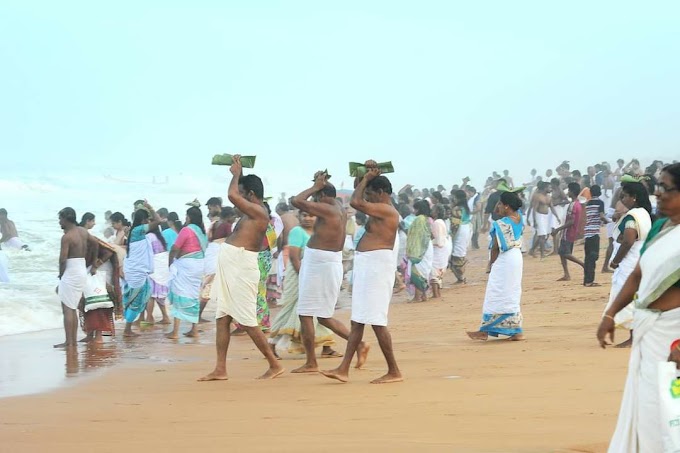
(555, 392)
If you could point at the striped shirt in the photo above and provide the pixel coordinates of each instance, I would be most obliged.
(593, 222)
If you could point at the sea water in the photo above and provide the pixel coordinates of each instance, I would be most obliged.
(29, 303)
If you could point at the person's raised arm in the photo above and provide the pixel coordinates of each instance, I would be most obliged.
(63, 255)
(301, 200)
(377, 210)
(252, 210)
(154, 218)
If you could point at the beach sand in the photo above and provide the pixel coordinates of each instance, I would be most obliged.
(555, 392)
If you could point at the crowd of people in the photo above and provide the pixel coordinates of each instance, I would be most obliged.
(299, 257)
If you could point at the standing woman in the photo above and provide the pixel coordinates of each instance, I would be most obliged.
(441, 243)
(655, 286)
(174, 226)
(87, 221)
(138, 266)
(419, 252)
(186, 272)
(160, 277)
(501, 312)
(629, 236)
(461, 231)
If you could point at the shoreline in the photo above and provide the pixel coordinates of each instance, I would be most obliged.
(556, 391)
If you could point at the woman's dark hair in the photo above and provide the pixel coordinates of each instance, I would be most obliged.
(117, 217)
(157, 232)
(86, 218)
(404, 210)
(511, 199)
(269, 210)
(438, 196)
(639, 192)
(460, 199)
(173, 219)
(139, 217)
(422, 207)
(674, 171)
(196, 216)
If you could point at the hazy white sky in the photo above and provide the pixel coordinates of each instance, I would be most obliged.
(443, 89)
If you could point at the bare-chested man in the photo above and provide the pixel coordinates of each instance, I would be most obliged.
(374, 272)
(76, 245)
(321, 271)
(539, 212)
(9, 237)
(238, 273)
(560, 203)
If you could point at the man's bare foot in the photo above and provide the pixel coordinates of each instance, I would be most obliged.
(362, 355)
(626, 344)
(517, 337)
(64, 345)
(130, 334)
(566, 278)
(165, 322)
(191, 334)
(172, 336)
(483, 336)
(272, 373)
(305, 369)
(331, 354)
(203, 321)
(85, 340)
(335, 374)
(591, 285)
(388, 379)
(398, 289)
(214, 376)
(607, 271)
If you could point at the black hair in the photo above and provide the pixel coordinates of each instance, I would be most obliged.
(328, 190)
(68, 214)
(380, 183)
(422, 207)
(437, 196)
(269, 210)
(252, 183)
(555, 182)
(542, 185)
(157, 232)
(674, 171)
(227, 211)
(3, 211)
(173, 218)
(163, 212)
(639, 192)
(116, 217)
(574, 188)
(595, 190)
(403, 198)
(283, 207)
(404, 210)
(196, 216)
(511, 199)
(460, 199)
(214, 201)
(86, 218)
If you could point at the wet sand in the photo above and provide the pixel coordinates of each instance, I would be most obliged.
(555, 392)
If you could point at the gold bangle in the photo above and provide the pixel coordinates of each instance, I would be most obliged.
(610, 317)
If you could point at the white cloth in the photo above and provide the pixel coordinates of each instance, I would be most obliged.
(14, 244)
(561, 211)
(659, 266)
(643, 221)
(504, 288)
(186, 275)
(4, 268)
(542, 225)
(210, 260)
(461, 242)
(72, 283)
(374, 274)
(161, 269)
(424, 267)
(235, 285)
(441, 244)
(320, 280)
(138, 263)
(639, 425)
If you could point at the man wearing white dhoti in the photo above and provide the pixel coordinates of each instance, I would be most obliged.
(237, 277)
(9, 238)
(654, 284)
(321, 271)
(539, 215)
(76, 244)
(374, 272)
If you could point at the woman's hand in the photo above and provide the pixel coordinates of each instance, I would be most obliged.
(607, 327)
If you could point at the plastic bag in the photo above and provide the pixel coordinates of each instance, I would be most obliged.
(669, 405)
(95, 292)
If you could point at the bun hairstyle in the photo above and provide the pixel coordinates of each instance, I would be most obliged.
(512, 199)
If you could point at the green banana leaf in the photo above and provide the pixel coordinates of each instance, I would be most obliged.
(228, 159)
(358, 170)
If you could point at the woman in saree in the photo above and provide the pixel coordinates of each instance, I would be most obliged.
(501, 312)
(654, 286)
(441, 243)
(629, 236)
(160, 277)
(461, 231)
(419, 252)
(138, 266)
(186, 272)
(285, 329)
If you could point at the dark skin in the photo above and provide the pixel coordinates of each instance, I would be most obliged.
(329, 235)
(249, 234)
(381, 232)
(75, 243)
(669, 205)
(569, 222)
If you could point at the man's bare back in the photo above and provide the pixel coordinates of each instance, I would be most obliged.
(76, 239)
(8, 231)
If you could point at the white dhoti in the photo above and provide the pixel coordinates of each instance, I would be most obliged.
(321, 275)
(542, 225)
(624, 318)
(639, 425)
(4, 268)
(440, 255)
(373, 284)
(235, 287)
(72, 283)
(461, 242)
(14, 244)
(556, 221)
(210, 260)
(161, 270)
(504, 287)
